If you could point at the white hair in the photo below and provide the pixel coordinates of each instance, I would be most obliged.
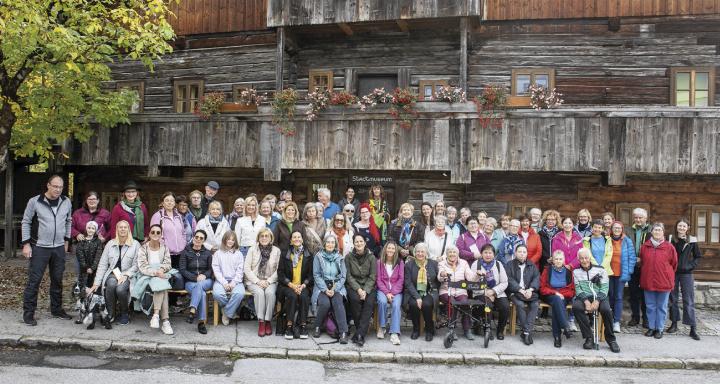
(440, 219)
(323, 191)
(239, 199)
(464, 210)
(641, 212)
(451, 209)
(536, 210)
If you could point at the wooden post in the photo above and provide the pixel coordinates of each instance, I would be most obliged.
(617, 133)
(279, 59)
(459, 139)
(463, 53)
(9, 246)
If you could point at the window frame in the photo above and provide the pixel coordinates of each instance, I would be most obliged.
(532, 72)
(434, 83)
(709, 210)
(186, 82)
(320, 72)
(619, 207)
(692, 70)
(524, 206)
(134, 84)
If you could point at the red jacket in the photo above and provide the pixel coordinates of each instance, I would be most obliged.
(534, 247)
(658, 266)
(567, 291)
(118, 213)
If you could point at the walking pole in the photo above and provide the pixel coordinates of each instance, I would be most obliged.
(596, 341)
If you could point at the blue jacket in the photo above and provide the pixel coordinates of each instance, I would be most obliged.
(628, 258)
(319, 263)
(506, 250)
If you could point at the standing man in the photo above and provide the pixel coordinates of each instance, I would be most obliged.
(638, 233)
(211, 189)
(46, 232)
(330, 209)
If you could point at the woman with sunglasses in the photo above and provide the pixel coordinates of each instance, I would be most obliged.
(341, 229)
(154, 262)
(196, 269)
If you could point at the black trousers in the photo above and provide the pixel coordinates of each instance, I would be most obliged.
(637, 297)
(362, 310)
(427, 313)
(40, 260)
(293, 303)
(584, 319)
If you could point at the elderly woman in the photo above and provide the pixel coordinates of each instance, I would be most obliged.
(342, 230)
(390, 277)
(314, 226)
(154, 262)
(196, 270)
(133, 211)
(497, 282)
(196, 208)
(438, 240)
(228, 268)
(584, 223)
(506, 251)
(90, 211)
(237, 212)
(504, 226)
(405, 231)
(266, 211)
(261, 278)
(470, 242)
(570, 242)
(248, 226)
(214, 225)
(173, 227)
(421, 290)
(329, 273)
(117, 264)
(482, 217)
(453, 269)
(547, 233)
(88, 252)
(657, 277)
(453, 224)
(557, 289)
(366, 227)
(622, 264)
(532, 241)
(535, 215)
(689, 255)
(523, 287)
(361, 267)
(296, 281)
(189, 222)
(288, 224)
(492, 233)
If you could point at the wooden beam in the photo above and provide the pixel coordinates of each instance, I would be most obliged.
(403, 26)
(617, 132)
(462, 83)
(345, 27)
(279, 59)
(9, 246)
(271, 151)
(460, 151)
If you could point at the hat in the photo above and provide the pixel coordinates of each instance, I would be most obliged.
(130, 185)
(213, 184)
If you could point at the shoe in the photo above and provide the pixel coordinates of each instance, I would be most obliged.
(522, 337)
(124, 319)
(469, 335)
(29, 319)
(650, 333)
(455, 337)
(616, 327)
(202, 329)
(289, 333)
(354, 338)
(558, 342)
(645, 323)
(316, 333)
(395, 339)
(343, 338)
(225, 320)
(261, 328)
(166, 328)
(614, 347)
(693, 334)
(155, 322)
(659, 334)
(633, 322)
(567, 333)
(268, 328)
(529, 339)
(296, 332)
(415, 334)
(303, 332)
(62, 315)
(191, 318)
(360, 341)
(673, 327)
(573, 327)
(589, 344)
(429, 335)
(500, 336)
(381, 333)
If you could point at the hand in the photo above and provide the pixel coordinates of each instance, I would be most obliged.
(89, 270)
(595, 306)
(122, 279)
(637, 261)
(263, 284)
(362, 294)
(80, 237)
(588, 306)
(330, 293)
(160, 273)
(558, 294)
(404, 252)
(476, 255)
(443, 274)
(67, 247)
(527, 293)
(390, 297)
(419, 303)
(90, 290)
(102, 238)
(200, 277)
(227, 287)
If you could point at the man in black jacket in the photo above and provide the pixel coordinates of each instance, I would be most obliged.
(523, 287)
(638, 233)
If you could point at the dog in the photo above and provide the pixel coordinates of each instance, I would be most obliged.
(93, 308)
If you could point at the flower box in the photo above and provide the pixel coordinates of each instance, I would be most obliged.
(238, 108)
(518, 101)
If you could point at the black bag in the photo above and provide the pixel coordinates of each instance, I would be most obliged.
(146, 300)
(177, 282)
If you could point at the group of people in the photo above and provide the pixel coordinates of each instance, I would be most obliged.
(349, 259)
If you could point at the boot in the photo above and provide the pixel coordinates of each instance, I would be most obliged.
(261, 328)
(558, 341)
(343, 338)
(694, 334)
(673, 327)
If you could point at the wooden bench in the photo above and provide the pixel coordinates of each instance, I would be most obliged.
(513, 319)
(184, 292)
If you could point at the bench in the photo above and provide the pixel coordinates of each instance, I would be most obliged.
(183, 292)
(513, 319)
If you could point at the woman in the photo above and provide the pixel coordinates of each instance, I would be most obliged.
(196, 270)
(438, 240)
(622, 264)
(570, 242)
(189, 222)
(90, 211)
(133, 211)
(497, 282)
(482, 217)
(266, 212)
(547, 233)
(329, 273)
(465, 214)
(439, 208)
(248, 227)
(492, 233)
(506, 251)
(454, 227)
(296, 282)
(584, 223)
(453, 268)
(261, 278)
(557, 289)
(608, 219)
(368, 229)
(504, 229)
(173, 227)
(360, 282)
(154, 262)
(532, 241)
(288, 224)
(214, 225)
(228, 268)
(657, 278)
(421, 291)
(314, 226)
(470, 242)
(352, 201)
(427, 216)
(390, 277)
(379, 208)
(341, 229)
(599, 245)
(88, 252)
(196, 208)
(238, 212)
(689, 256)
(405, 231)
(117, 264)
(523, 287)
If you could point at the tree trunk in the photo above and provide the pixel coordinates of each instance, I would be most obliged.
(7, 120)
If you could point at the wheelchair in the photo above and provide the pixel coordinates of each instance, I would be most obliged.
(457, 308)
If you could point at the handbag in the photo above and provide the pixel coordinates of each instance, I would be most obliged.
(177, 282)
(331, 325)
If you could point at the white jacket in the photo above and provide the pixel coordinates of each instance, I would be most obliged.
(214, 238)
(247, 232)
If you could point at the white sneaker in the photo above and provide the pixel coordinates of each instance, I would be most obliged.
(225, 320)
(395, 339)
(166, 328)
(381, 333)
(573, 327)
(155, 322)
(616, 327)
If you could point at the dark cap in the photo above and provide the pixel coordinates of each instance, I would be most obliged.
(130, 185)
(213, 184)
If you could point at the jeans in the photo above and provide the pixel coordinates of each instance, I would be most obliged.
(293, 303)
(559, 314)
(686, 283)
(230, 305)
(114, 291)
(526, 312)
(198, 296)
(264, 300)
(615, 297)
(40, 260)
(637, 300)
(584, 319)
(656, 303)
(395, 312)
(361, 310)
(324, 303)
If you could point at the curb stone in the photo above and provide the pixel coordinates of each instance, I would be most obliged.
(202, 350)
(276, 353)
(622, 362)
(589, 361)
(10, 340)
(661, 362)
(309, 354)
(481, 358)
(408, 357)
(516, 360)
(133, 346)
(34, 341)
(443, 358)
(702, 363)
(90, 345)
(177, 349)
(350, 356)
(377, 357)
(554, 360)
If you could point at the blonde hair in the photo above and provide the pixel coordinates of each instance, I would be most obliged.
(290, 205)
(195, 192)
(215, 204)
(586, 212)
(227, 236)
(265, 230)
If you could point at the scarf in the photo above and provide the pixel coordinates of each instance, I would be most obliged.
(296, 255)
(377, 208)
(340, 233)
(656, 243)
(289, 225)
(197, 212)
(214, 220)
(489, 276)
(264, 257)
(406, 231)
(422, 281)
(551, 231)
(583, 227)
(372, 226)
(138, 225)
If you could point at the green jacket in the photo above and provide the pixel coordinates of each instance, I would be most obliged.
(361, 271)
(584, 287)
(606, 258)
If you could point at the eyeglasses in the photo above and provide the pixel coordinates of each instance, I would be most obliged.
(155, 232)
(199, 238)
(339, 220)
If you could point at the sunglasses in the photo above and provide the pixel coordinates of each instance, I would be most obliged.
(155, 232)
(339, 220)
(349, 210)
(200, 237)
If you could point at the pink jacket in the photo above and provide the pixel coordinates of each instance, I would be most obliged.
(462, 272)
(466, 240)
(570, 248)
(390, 284)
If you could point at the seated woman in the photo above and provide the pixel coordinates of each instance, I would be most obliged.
(154, 261)
(117, 264)
(421, 290)
(497, 282)
(227, 265)
(557, 289)
(296, 281)
(214, 225)
(196, 270)
(390, 276)
(329, 273)
(261, 278)
(523, 287)
(453, 268)
(360, 283)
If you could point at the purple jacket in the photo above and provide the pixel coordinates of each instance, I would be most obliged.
(465, 241)
(390, 284)
(173, 229)
(81, 217)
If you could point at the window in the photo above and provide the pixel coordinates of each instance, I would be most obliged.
(320, 79)
(623, 212)
(139, 88)
(522, 79)
(428, 88)
(692, 87)
(367, 83)
(706, 224)
(517, 210)
(187, 93)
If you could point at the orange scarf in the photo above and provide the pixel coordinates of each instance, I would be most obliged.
(340, 233)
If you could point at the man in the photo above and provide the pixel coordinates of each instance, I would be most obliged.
(591, 288)
(535, 216)
(329, 208)
(523, 287)
(506, 250)
(638, 233)
(46, 233)
(211, 189)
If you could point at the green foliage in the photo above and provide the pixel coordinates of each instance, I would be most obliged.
(210, 104)
(283, 110)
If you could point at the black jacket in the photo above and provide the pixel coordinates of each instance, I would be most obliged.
(88, 253)
(410, 282)
(194, 263)
(531, 278)
(281, 234)
(285, 269)
(417, 234)
(546, 242)
(688, 254)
